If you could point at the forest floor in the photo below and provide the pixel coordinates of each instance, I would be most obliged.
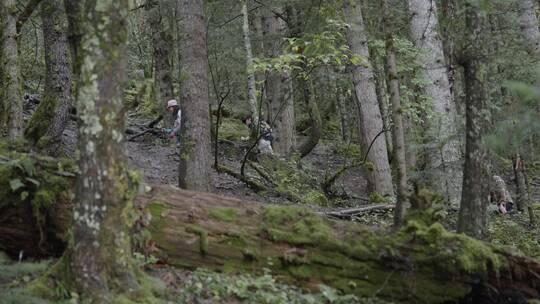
(158, 161)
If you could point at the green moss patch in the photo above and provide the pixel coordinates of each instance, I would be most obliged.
(295, 183)
(224, 214)
(232, 129)
(295, 225)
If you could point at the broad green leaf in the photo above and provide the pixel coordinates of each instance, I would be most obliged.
(15, 184)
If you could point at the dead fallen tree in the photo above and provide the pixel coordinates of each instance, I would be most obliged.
(420, 263)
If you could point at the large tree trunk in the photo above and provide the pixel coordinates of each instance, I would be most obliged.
(195, 154)
(522, 188)
(251, 89)
(279, 94)
(529, 26)
(380, 179)
(400, 162)
(99, 260)
(163, 41)
(444, 155)
(420, 263)
(11, 85)
(52, 115)
(472, 213)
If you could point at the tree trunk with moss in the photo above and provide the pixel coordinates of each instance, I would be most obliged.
(11, 86)
(52, 115)
(474, 199)
(371, 123)
(444, 153)
(162, 41)
(279, 89)
(99, 257)
(195, 151)
(74, 35)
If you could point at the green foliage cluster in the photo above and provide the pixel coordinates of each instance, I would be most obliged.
(24, 179)
(298, 184)
(205, 284)
(141, 96)
(233, 129)
(514, 232)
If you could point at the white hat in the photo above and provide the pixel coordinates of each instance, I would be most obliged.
(172, 103)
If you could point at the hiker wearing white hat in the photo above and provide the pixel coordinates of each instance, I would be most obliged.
(174, 109)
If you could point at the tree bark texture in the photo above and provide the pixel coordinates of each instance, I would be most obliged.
(99, 257)
(398, 136)
(529, 26)
(371, 123)
(251, 88)
(444, 155)
(195, 152)
(279, 89)
(472, 212)
(163, 43)
(52, 115)
(11, 82)
(74, 12)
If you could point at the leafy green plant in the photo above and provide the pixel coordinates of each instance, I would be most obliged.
(205, 284)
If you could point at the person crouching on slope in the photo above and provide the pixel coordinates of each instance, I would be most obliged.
(176, 112)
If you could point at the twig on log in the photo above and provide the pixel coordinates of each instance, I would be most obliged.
(346, 213)
(256, 186)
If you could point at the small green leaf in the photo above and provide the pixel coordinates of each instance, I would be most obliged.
(15, 184)
(28, 166)
(24, 195)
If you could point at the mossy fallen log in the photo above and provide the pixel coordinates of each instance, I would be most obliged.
(421, 263)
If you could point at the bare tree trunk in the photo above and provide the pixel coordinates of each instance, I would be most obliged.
(472, 213)
(279, 88)
(522, 188)
(13, 103)
(252, 91)
(400, 161)
(529, 25)
(380, 179)
(444, 156)
(315, 120)
(195, 152)
(384, 106)
(100, 253)
(52, 115)
(343, 113)
(3, 106)
(162, 40)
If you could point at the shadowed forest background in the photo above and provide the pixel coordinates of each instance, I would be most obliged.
(269, 151)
